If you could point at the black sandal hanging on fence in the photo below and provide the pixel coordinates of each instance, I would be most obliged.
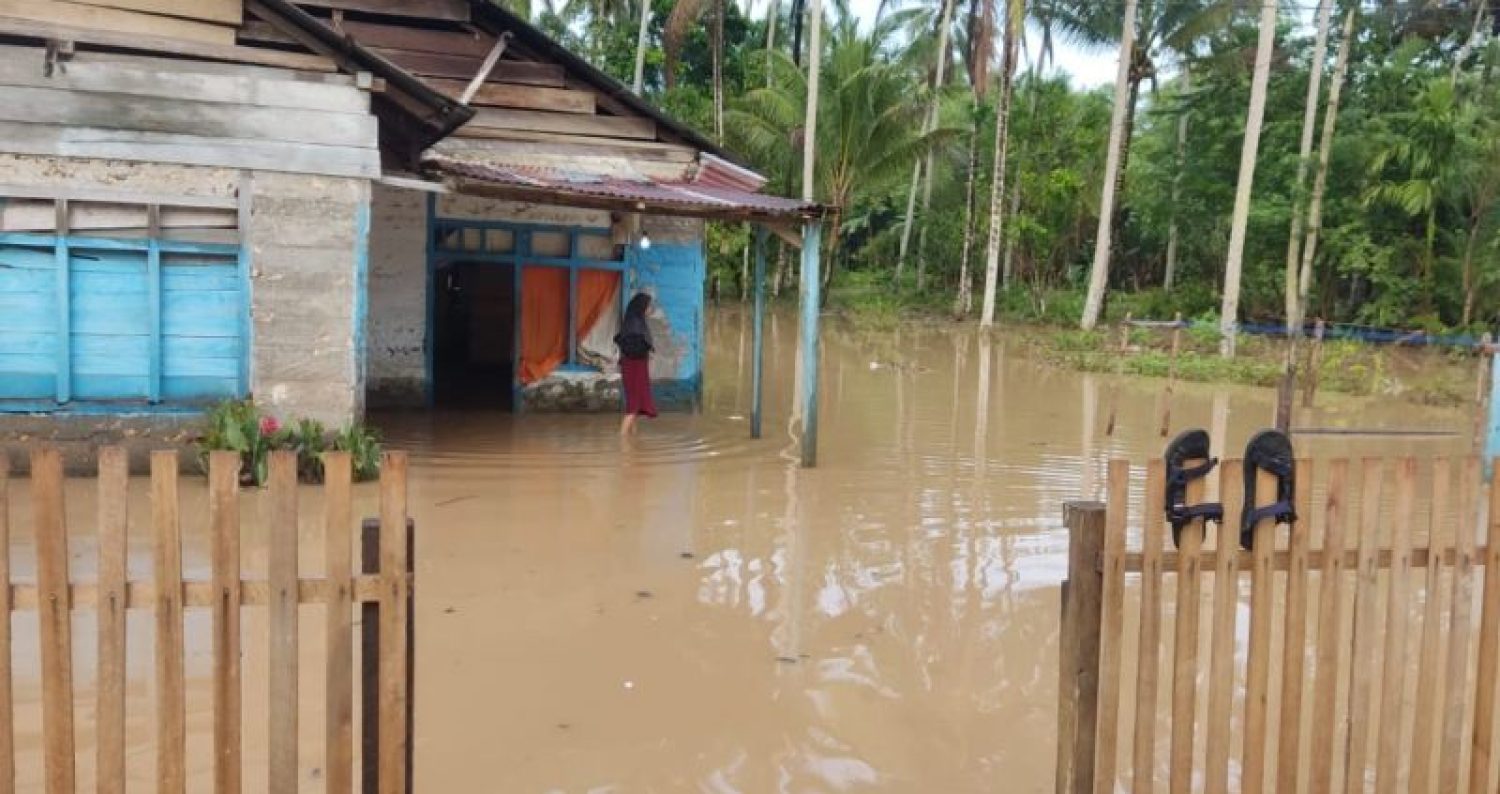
(1269, 451)
(1189, 445)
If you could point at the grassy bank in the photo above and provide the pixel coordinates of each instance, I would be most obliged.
(1047, 327)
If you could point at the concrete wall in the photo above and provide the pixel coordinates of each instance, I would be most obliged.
(308, 237)
(398, 296)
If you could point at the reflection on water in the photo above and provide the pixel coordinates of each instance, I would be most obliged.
(697, 613)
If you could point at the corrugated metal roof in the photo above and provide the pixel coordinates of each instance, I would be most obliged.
(714, 197)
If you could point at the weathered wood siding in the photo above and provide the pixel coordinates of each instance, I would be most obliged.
(152, 110)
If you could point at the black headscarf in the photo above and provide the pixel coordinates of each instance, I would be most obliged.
(634, 322)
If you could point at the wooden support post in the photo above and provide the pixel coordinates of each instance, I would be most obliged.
(485, 68)
(757, 357)
(369, 656)
(1166, 403)
(54, 619)
(812, 245)
(1315, 360)
(1078, 689)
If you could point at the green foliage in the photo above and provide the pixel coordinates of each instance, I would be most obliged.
(238, 426)
(364, 447)
(1410, 234)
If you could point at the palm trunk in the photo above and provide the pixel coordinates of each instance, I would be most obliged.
(1325, 149)
(771, 37)
(1309, 124)
(1007, 272)
(1181, 163)
(1099, 275)
(1470, 285)
(1468, 45)
(640, 48)
(780, 274)
(810, 126)
(1229, 313)
(1117, 226)
(945, 22)
(911, 213)
(1007, 264)
(718, 57)
(965, 301)
(997, 187)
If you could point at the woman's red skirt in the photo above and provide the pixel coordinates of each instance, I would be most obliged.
(635, 373)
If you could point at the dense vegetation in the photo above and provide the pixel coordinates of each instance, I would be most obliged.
(1410, 215)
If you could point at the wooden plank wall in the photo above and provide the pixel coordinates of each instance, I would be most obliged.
(524, 94)
(130, 108)
(202, 21)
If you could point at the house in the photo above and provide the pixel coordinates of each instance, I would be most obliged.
(326, 204)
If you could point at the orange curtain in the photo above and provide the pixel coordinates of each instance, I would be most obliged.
(544, 321)
(544, 314)
(596, 288)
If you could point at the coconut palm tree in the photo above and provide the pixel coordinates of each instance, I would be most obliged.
(1304, 155)
(869, 126)
(1249, 151)
(685, 14)
(978, 54)
(1013, 13)
(1099, 275)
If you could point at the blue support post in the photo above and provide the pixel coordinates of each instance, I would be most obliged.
(757, 346)
(812, 243)
(153, 286)
(361, 294)
(64, 315)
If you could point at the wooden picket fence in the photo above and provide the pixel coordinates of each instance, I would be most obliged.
(383, 592)
(1372, 681)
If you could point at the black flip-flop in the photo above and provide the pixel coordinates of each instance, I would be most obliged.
(1269, 451)
(1188, 445)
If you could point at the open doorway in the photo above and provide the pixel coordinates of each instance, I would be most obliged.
(474, 335)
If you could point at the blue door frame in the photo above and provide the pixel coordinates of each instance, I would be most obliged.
(520, 256)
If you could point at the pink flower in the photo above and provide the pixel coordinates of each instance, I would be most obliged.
(269, 425)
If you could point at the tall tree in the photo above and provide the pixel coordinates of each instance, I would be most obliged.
(640, 48)
(1099, 275)
(1304, 155)
(1013, 12)
(922, 171)
(929, 165)
(1239, 224)
(1169, 271)
(1160, 28)
(684, 16)
(1325, 152)
(771, 15)
(979, 53)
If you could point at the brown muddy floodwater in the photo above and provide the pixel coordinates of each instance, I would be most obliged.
(696, 613)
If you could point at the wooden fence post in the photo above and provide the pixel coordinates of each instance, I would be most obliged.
(1078, 690)
(369, 656)
(1315, 360)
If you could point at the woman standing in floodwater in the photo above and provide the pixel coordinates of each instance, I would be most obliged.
(634, 342)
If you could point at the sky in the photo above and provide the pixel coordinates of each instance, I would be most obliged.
(1088, 68)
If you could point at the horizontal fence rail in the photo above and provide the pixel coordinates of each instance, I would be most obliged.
(167, 596)
(1356, 650)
